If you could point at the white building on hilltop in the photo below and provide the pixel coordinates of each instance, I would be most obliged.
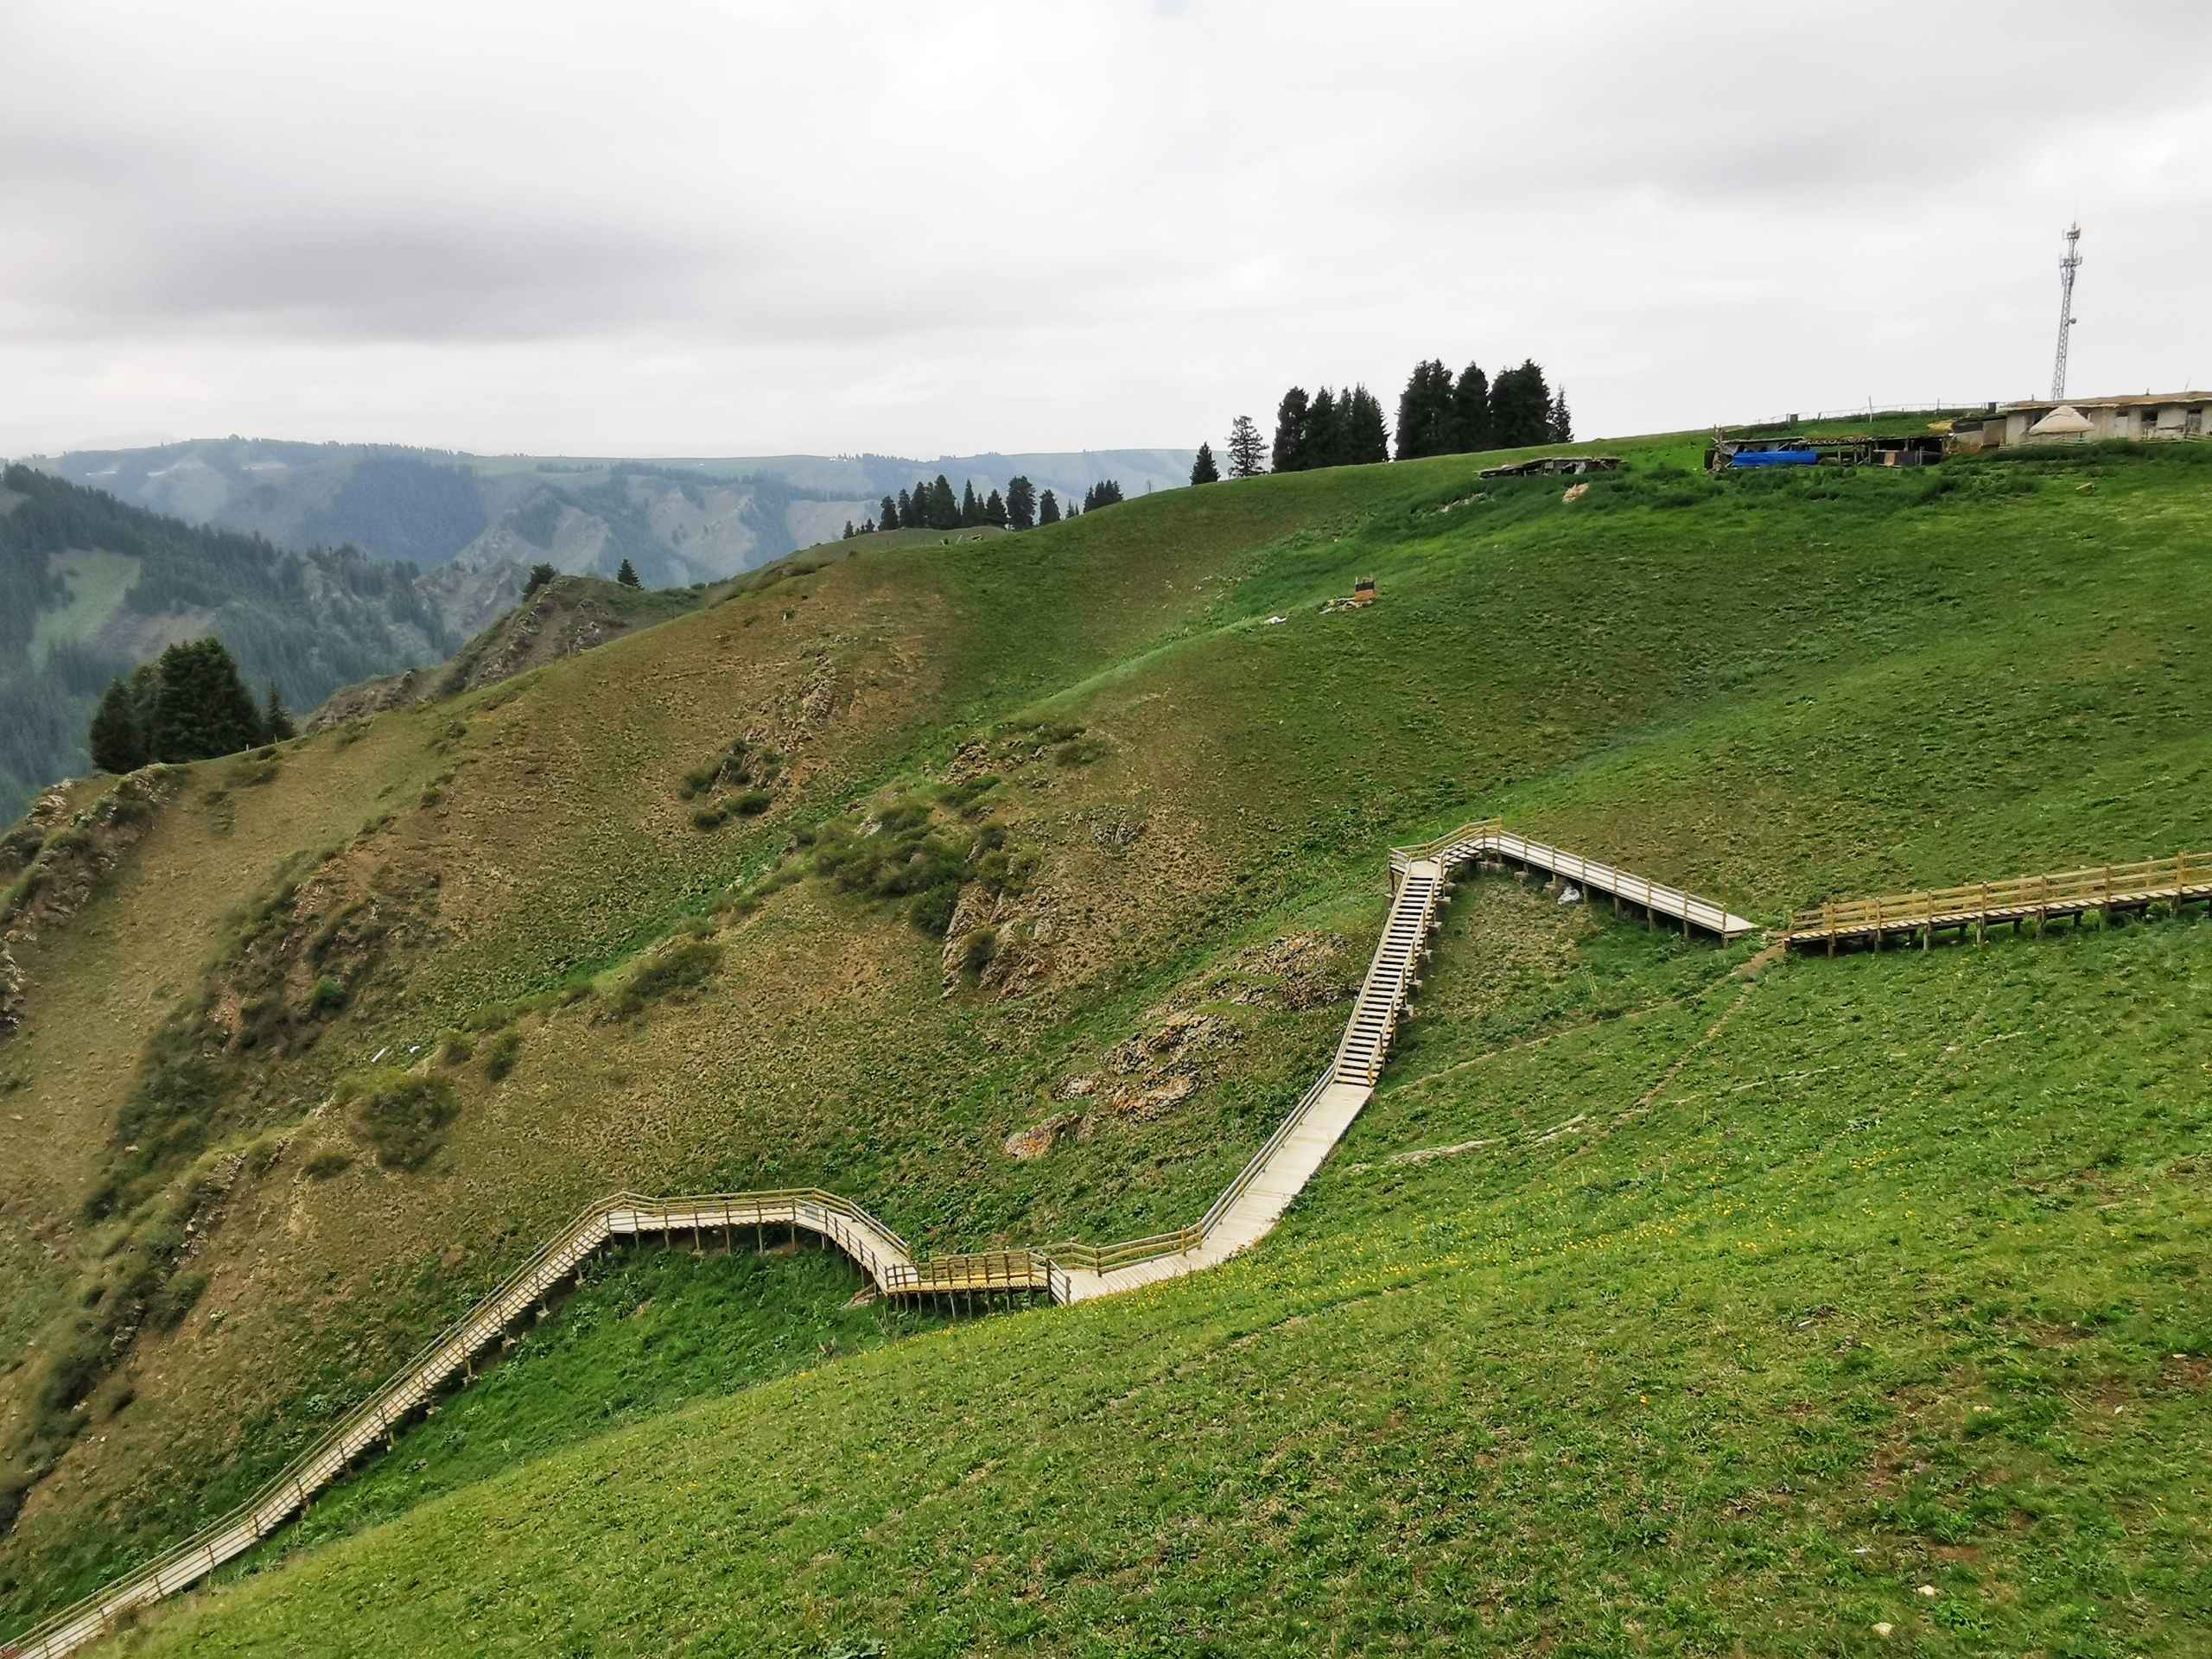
(2087, 420)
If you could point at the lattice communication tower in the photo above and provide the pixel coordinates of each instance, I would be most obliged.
(2067, 267)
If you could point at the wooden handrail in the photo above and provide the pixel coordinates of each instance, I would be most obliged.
(2090, 888)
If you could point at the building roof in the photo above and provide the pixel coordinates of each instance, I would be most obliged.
(2143, 401)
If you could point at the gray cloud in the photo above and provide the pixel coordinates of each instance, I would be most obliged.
(719, 227)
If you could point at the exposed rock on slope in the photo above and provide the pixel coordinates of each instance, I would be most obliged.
(568, 615)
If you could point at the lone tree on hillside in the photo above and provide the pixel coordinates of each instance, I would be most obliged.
(1048, 510)
(886, 516)
(1246, 449)
(1021, 504)
(539, 576)
(627, 576)
(1202, 471)
(275, 719)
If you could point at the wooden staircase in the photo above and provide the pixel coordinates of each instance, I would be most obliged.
(1246, 1212)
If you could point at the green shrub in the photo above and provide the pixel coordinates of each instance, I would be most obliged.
(167, 1306)
(676, 966)
(327, 1163)
(977, 950)
(709, 817)
(454, 1048)
(750, 804)
(501, 1053)
(405, 1116)
(327, 996)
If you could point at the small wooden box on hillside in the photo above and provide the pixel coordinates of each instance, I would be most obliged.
(1362, 591)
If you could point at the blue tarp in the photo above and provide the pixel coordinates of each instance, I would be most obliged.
(1774, 458)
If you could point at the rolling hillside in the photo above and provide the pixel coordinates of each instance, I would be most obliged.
(1668, 1299)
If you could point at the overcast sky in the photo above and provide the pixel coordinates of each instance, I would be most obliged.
(734, 229)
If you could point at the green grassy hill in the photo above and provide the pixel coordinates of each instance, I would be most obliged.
(1667, 1300)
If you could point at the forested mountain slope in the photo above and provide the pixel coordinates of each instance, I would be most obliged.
(90, 587)
(1667, 1297)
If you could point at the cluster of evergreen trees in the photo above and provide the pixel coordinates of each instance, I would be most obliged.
(932, 507)
(190, 705)
(1438, 414)
(1329, 430)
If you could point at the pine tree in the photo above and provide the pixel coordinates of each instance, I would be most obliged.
(1471, 426)
(201, 707)
(868, 529)
(1021, 504)
(886, 516)
(627, 576)
(994, 510)
(276, 719)
(971, 510)
(1324, 445)
(1293, 416)
(118, 735)
(1248, 451)
(1521, 407)
(539, 576)
(1562, 419)
(944, 510)
(1104, 493)
(1048, 510)
(1426, 426)
(909, 512)
(1365, 439)
(1202, 471)
(848, 530)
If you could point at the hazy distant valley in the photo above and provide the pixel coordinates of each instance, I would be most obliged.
(677, 521)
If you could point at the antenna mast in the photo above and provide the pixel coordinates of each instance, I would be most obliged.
(2067, 267)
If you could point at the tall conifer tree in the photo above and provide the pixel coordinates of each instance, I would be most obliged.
(1021, 504)
(1247, 450)
(1470, 423)
(1048, 510)
(1202, 471)
(1293, 418)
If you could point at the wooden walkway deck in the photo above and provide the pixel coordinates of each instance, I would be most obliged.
(2107, 889)
(1492, 840)
(1245, 1213)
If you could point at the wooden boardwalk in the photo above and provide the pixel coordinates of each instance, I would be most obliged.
(1245, 1213)
(1492, 840)
(2107, 889)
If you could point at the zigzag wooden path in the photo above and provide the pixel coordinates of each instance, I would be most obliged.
(1245, 1213)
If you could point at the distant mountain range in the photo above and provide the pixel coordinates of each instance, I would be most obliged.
(677, 521)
